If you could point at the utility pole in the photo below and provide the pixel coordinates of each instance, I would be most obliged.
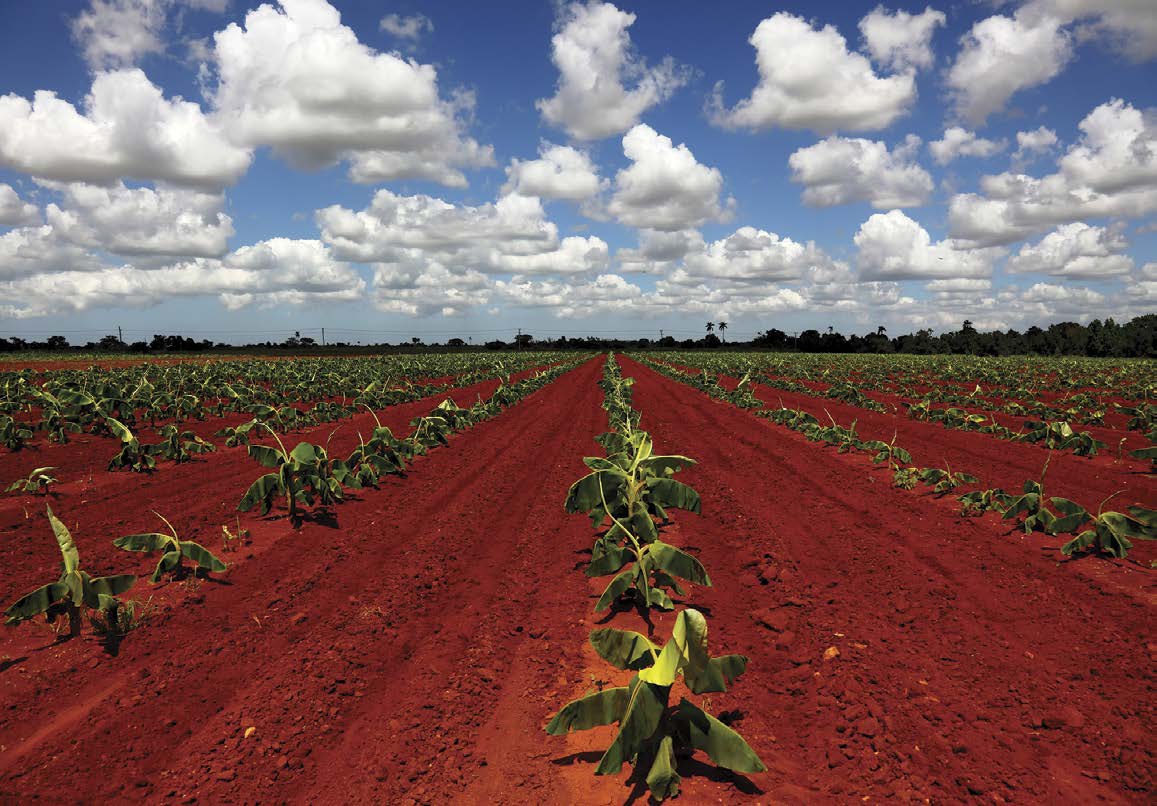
(518, 340)
(120, 335)
(660, 334)
(323, 337)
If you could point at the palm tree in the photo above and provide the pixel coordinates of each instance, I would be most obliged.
(710, 326)
(722, 329)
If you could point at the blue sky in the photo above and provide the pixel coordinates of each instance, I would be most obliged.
(238, 172)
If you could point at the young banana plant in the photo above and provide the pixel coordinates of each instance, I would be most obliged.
(652, 733)
(36, 482)
(13, 435)
(75, 589)
(1111, 531)
(945, 481)
(174, 550)
(632, 486)
(299, 475)
(132, 454)
(179, 445)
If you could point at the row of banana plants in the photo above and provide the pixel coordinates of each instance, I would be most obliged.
(1052, 435)
(305, 476)
(628, 496)
(1109, 533)
(1075, 391)
(61, 403)
(308, 476)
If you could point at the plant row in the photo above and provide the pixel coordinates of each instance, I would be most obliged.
(1052, 435)
(628, 496)
(1110, 533)
(305, 476)
(65, 402)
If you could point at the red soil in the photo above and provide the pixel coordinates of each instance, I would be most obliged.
(970, 664)
(411, 649)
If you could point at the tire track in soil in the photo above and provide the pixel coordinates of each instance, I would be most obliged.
(350, 659)
(970, 666)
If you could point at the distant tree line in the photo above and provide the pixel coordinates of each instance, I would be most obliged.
(1136, 338)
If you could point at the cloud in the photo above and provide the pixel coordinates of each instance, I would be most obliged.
(14, 211)
(959, 142)
(901, 41)
(751, 254)
(891, 246)
(117, 33)
(593, 53)
(665, 187)
(840, 170)
(1001, 56)
(1035, 142)
(127, 129)
(511, 235)
(1075, 250)
(142, 221)
(1053, 295)
(1128, 26)
(36, 250)
(406, 28)
(1117, 150)
(1111, 172)
(299, 81)
(560, 172)
(808, 79)
(279, 271)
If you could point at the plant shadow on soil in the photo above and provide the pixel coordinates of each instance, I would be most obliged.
(8, 663)
(686, 767)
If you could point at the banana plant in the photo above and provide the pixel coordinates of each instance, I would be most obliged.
(35, 482)
(653, 733)
(1060, 435)
(888, 452)
(980, 501)
(173, 548)
(13, 435)
(75, 589)
(236, 435)
(300, 475)
(1037, 516)
(1111, 531)
(945, 481)
(179, 445)
(132, 454)
(632, 486)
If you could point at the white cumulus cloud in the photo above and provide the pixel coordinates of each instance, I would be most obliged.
(141, 221)
(299, 81)
(891, 246)
(560, 172)
(1075, 250)
(839, 170)
(603, 86)
(808, 79)
(901, 41)
(1001, 56)
(664, 187)
(959, 142)
(1111, 172)
(14, 211)
(408, 28)
(127, 129)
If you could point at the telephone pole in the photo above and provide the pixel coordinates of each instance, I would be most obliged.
(518, 340)
(120, 335)
(323, 337)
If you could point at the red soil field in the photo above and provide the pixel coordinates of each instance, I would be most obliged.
(411, 648)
